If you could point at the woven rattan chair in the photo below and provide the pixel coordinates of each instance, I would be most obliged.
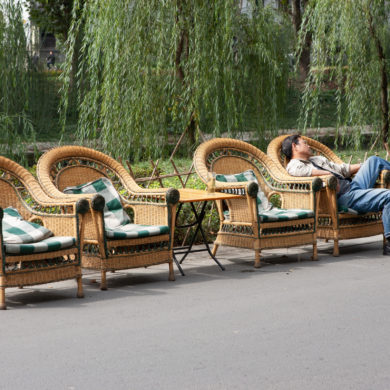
(24, 265)
(240, 224)
(333, 224)
(66, 166)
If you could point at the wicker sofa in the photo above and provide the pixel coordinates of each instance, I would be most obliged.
(333, 224)
(29, 262)
(66, 166)
(241, 223)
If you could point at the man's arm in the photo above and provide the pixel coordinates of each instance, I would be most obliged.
(319, 172)
(354, 168)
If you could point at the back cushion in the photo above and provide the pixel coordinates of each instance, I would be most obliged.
(18, 231)
(262, 202)
(114, 215)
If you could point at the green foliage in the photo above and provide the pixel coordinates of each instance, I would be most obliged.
(15, 81)
(151, 69)
(29, 97)
(327, 109)
(346, 36)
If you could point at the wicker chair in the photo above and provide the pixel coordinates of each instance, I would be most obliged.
(332, 224)
(241, 226)
(28, 265)
(66, 166)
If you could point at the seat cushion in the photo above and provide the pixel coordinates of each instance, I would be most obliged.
(114, 214)
(18, 231)
(345, 210)
(132, 230)
(47, 245)
(277, 215)
(266, 211)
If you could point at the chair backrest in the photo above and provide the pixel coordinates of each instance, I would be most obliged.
(231, 156)
(19, 188)
(66, 166)
(274, 150)
(327, 201)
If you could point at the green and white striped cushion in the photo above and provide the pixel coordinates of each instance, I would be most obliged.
(114, 214)
(18, 231)
(267, 212)
(47, 245)
(278, 215)
(116, 221)
(262, 202)
(344, 209)
(132, 230)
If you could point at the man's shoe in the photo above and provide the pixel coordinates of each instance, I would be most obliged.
(386, 249)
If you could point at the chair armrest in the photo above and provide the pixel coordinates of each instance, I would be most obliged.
(239, 188)
(302, 184)
(384, 179)
(153, 196)
(154, 211)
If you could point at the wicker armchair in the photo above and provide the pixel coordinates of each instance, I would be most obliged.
(241, 225)
(333, 224)
(30, 264)
(66, 166)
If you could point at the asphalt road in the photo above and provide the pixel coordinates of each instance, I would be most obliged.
(293, 324)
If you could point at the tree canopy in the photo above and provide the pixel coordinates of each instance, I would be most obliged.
(350, 46)
(151, 69)
(15, 80)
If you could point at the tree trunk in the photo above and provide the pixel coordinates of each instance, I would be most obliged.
(304, 59)
(183, 49)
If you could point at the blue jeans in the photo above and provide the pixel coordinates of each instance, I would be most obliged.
(363, 198)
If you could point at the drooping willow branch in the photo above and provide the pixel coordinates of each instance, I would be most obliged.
(152, 69)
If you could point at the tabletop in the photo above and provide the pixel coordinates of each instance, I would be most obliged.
(188, 195)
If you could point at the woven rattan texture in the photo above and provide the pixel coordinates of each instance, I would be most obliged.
(331, 224)
(74, 165)
(242, 228)
(19, 189)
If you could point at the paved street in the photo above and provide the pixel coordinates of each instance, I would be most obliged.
(293, 324)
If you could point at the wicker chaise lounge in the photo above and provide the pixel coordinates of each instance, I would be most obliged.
(66, 166)
(243, 224)
(25, 260)
(333, 224)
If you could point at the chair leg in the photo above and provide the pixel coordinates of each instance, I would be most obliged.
(80, 292)
(103, 283)
(257, 258)
(171, 272)
(336, 251)
(315, 253)
(2, 298)
(215, 248)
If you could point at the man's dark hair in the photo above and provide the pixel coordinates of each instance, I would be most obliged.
(287, 144)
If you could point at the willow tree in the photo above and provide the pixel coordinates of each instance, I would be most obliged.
(15, 81)
(350, 46)
(151, 69)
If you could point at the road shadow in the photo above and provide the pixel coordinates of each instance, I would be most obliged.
(199, 268)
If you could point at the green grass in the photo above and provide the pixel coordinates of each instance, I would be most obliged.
(358, 155)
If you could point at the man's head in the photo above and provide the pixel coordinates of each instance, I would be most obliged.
(294, 146)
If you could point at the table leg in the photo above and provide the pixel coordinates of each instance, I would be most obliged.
(198, 223)
(178, 264)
